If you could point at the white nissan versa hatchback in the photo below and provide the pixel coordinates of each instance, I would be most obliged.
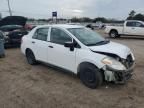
(81, 51)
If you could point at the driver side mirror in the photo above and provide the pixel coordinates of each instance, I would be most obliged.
(69, 45)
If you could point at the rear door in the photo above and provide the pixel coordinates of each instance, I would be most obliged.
(40, 44)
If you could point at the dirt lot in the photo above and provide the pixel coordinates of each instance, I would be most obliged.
(25, 86)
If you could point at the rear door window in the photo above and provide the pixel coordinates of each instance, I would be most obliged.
(41, 34)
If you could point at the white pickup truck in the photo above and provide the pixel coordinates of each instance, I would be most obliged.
(130, 27)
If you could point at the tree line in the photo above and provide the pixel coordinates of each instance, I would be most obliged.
(132, 16)
(135, 16)
(98, 19)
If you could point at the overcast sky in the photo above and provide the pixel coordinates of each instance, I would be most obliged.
(73, 8)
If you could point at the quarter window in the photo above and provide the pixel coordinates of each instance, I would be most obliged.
(41, 34)
(59, 36)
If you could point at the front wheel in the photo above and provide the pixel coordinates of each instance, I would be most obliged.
(91, 76)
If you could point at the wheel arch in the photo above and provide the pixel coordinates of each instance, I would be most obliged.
(88, 63)
(34, 60)
(84, 63)
(28, 49)
(113, 30)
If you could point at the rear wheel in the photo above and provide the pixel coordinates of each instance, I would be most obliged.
(90, 76)
(30, 57)
(114, 34)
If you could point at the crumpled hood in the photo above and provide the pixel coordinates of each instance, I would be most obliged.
(13, 20)
(112, 48)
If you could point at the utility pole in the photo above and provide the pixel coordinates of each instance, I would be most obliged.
(10, 12)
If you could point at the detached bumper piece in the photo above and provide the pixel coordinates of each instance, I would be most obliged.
(121, 76)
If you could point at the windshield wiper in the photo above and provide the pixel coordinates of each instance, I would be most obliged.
(99, 43)
(103, 42)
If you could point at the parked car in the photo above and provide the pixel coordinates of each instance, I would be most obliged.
(81, 51)
(99, 25)
(2, 52)
(90, 26)
(13, 28)
(130, 27)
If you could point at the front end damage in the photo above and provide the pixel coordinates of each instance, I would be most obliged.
(120, 76)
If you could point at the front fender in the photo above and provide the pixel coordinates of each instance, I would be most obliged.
(89, 57)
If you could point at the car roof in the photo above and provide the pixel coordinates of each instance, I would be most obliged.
(66, 26)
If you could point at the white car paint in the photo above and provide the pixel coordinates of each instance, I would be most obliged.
(113, 48)
(62, 57)
(127, 30)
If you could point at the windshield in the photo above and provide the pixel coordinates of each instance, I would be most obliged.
(87, 37)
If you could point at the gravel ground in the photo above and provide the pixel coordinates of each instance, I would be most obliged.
(25, 86)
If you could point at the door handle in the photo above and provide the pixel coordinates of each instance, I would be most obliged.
(50, 46)
(133, 28)
(33, 42)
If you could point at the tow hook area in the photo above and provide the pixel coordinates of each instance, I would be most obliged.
(118, 76)
(109, 76)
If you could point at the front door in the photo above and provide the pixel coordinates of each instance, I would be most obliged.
(58, 54)
(130, 28)
(139, 28)
(134, 28)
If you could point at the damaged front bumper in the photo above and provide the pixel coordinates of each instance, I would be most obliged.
(118, 76)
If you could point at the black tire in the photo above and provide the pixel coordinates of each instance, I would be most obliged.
(90, 76)
(114, 34)
(30, 57)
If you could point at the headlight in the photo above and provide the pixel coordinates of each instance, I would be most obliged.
(113, 63)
